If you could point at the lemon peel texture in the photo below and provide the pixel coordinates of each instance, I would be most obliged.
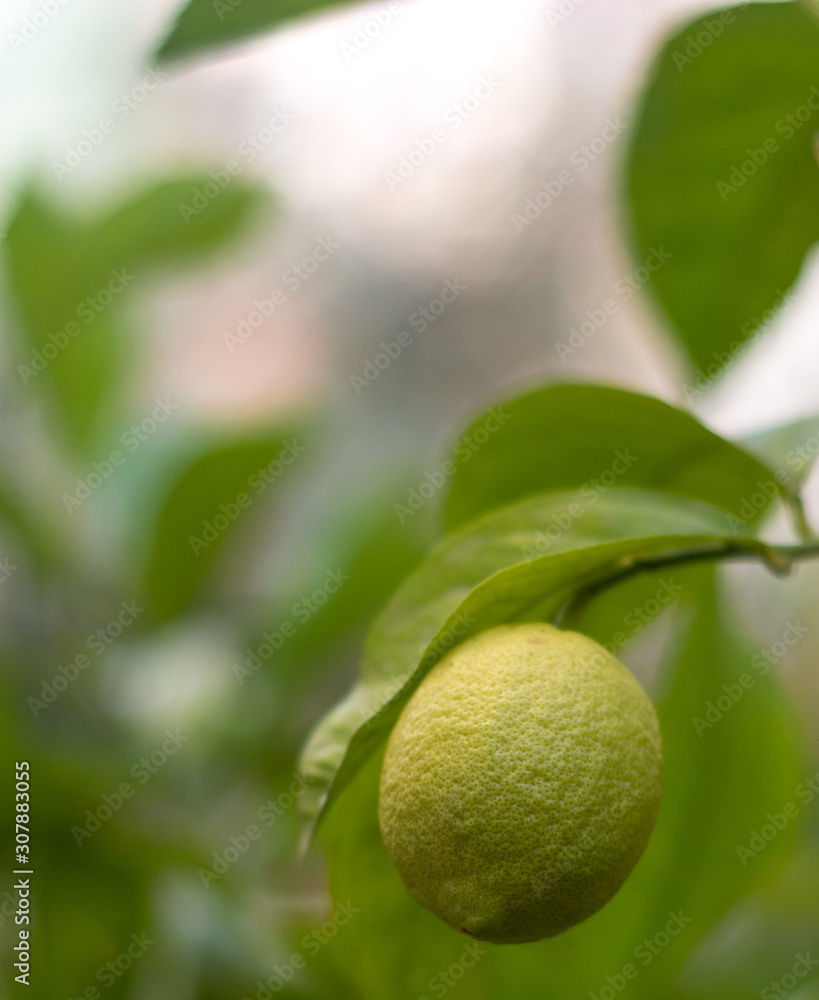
(521, 783)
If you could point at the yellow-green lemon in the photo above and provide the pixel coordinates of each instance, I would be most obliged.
(521, 783)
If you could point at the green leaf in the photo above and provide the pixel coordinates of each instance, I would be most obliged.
(207, 23)
(202, 511)
(722, 173)
(70, 278)
(790, 450)
(758, 941)
(39, 542)
(178, 220)
(590, 437)
(722, 778)
(490, 573)
(69, 349)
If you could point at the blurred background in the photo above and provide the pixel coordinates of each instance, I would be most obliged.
(291, 269)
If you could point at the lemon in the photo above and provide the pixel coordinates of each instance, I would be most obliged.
(521, 783)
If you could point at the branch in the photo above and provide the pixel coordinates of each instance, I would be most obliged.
(778, 558)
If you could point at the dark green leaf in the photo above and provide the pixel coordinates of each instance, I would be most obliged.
(722, 778)
(180, 219)
(590, 437)
(491, 573)
(202, 511)
(756, 944)
(722, 173)
(373, 559)
(38, 541)
(207, 23)
(70, 348)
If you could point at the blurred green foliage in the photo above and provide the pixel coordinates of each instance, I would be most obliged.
(202, 510)
(207, 23)
(70, 302)
(722, 172)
